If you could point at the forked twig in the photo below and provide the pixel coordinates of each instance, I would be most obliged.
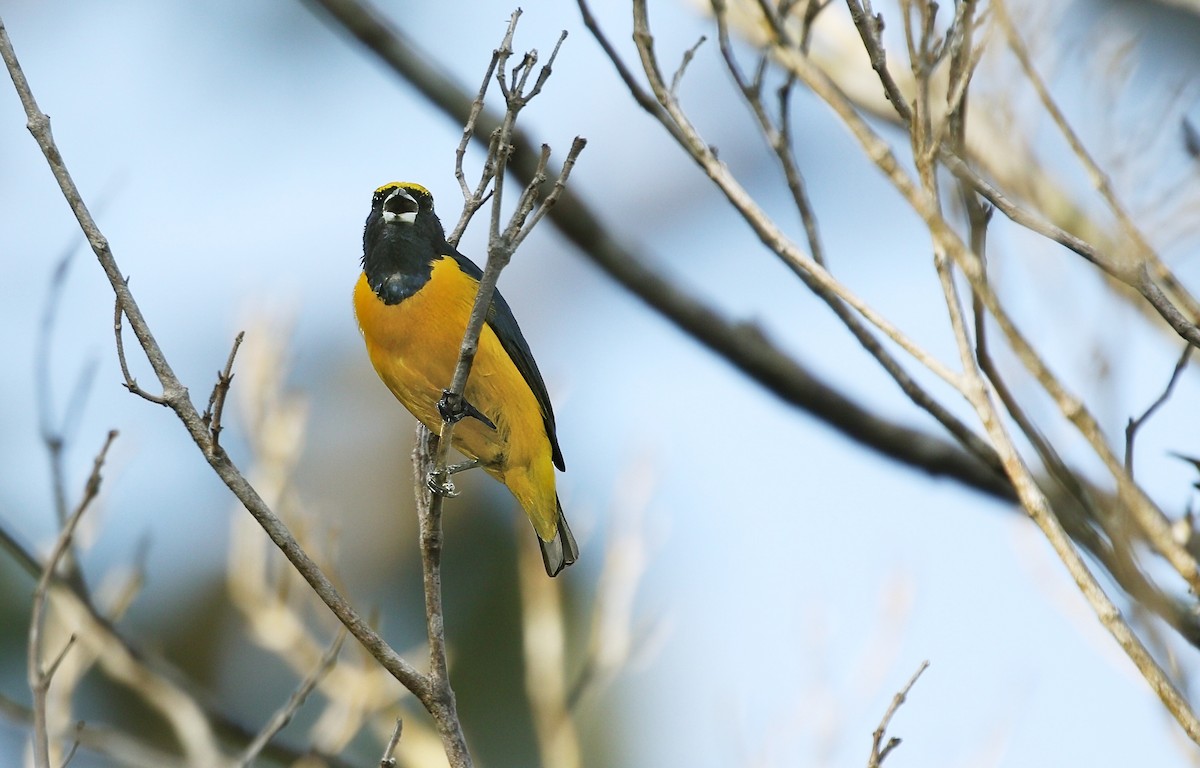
(879, 749)
(1133, 425)
(130, 383)
(216, 401)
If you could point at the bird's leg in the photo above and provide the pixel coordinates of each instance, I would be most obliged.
(454, 408)
(463, 466)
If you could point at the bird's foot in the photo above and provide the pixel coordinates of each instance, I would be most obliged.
(439, 484)
(454, 408)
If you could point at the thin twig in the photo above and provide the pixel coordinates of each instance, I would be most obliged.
(501, 244)
(216, 401)
(66, 761)
(688, 55)
(472, 201)
(880, 750)
(389, 760)
(870, 27)
(130, 382)
(555, 193)
(545, 71)
(441, 703)
(1134, 425)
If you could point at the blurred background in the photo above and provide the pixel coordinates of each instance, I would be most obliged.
(793, 581)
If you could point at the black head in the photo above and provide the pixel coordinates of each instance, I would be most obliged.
(406, 205)
(401, 239)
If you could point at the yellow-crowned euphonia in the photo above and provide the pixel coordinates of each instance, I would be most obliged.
(412, 301)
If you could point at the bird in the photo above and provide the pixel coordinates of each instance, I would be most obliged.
(412, 303)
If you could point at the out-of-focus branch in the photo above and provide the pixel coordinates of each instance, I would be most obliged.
(780, 141)
(923, 198)
(612, 638)
(1149, 518)
(56, 433)
(121, 748)
(1132, 427)
(1145, 256)
(142, 673)
(285, 713)
(743, 344)
(388, 761)
(40, 673)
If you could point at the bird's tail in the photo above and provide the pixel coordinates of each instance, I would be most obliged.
(560, 551)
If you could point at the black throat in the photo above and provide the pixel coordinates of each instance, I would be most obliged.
(398, 257)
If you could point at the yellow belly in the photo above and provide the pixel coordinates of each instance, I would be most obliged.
(414, 347)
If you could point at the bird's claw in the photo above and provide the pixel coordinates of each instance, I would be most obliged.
(454, 408)
(439, 484)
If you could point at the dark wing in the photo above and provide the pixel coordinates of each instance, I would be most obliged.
(500, 318)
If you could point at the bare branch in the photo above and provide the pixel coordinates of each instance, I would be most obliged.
(544, 645)
(130, 382)
(870, 29)
(216, 401)
(501, 244)
(441, 703)
(677, 78)
(1148, 266)
(1134, 425)
(880, 750)
(388, 760)
(560, 185)
(780, 141)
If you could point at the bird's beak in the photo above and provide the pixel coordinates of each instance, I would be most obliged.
(400, 207)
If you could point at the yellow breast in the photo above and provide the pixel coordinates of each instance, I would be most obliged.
(414, 346)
